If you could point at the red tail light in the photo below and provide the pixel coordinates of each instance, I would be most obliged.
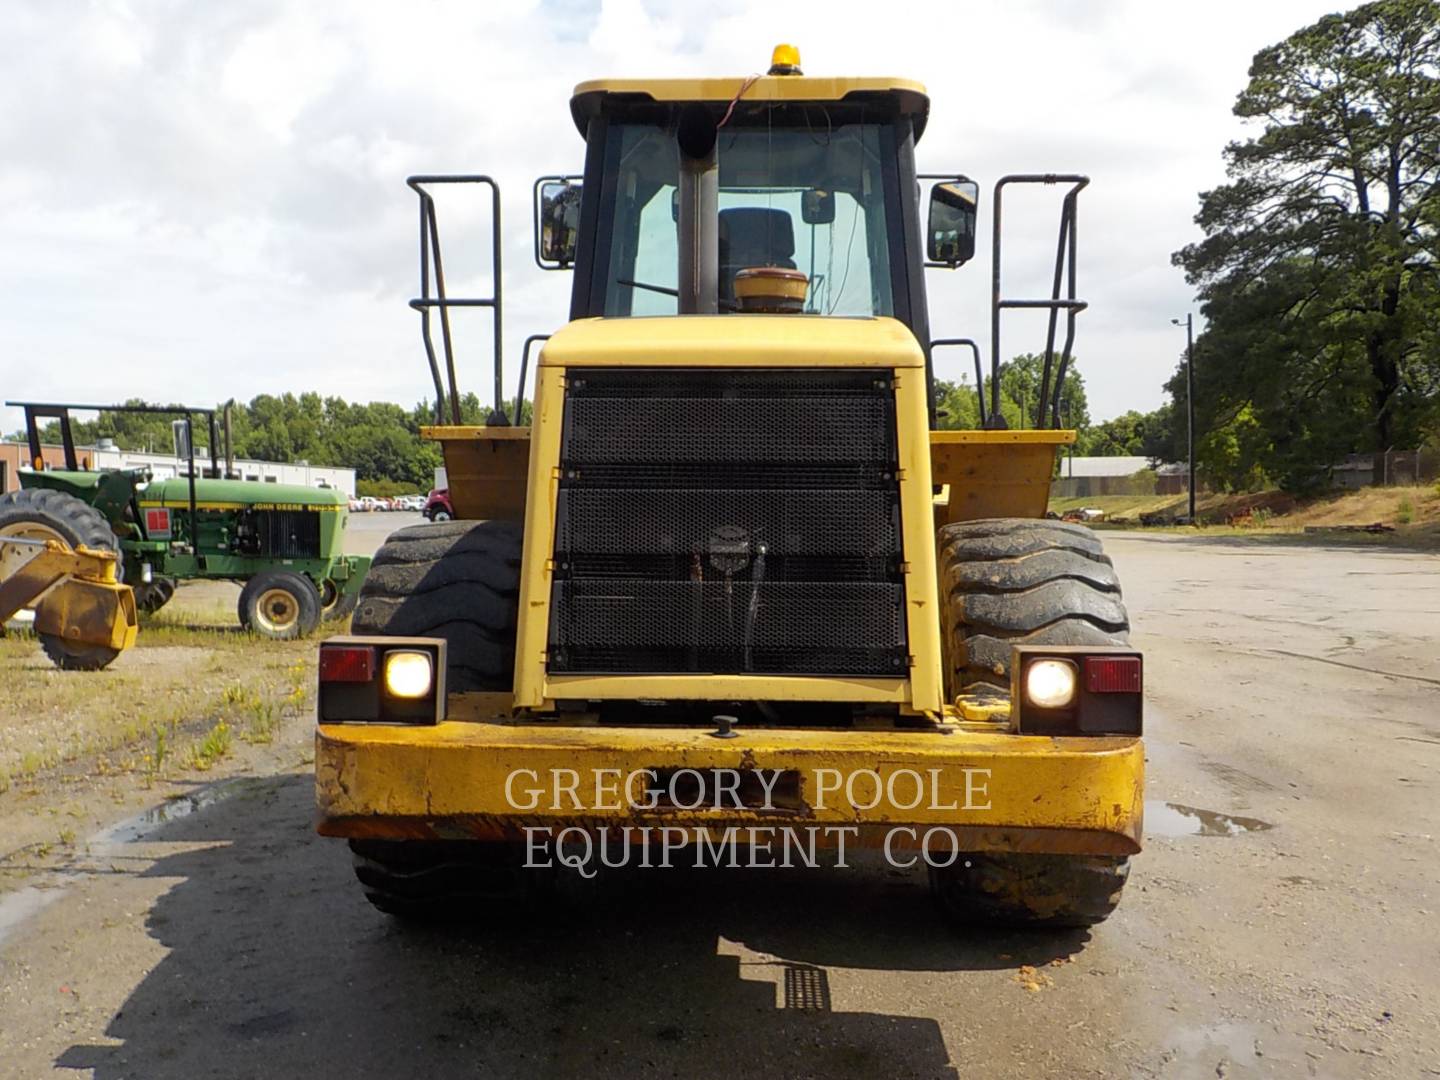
(1112, 674)
(1108, 699)
(347, 663)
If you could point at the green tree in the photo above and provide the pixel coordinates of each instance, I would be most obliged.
(1318, 268)
(957, 405)
(1131, 434)
(1021, 388)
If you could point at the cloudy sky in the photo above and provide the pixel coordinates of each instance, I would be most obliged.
(203, 200)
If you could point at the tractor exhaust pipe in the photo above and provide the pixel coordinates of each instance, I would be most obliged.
(229, 446)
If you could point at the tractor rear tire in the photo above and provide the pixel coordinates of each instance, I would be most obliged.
(1042, 892)
(280, 605)
(458, 580)
(40, 513)
(1018, 581)
(44, 514)
(151, 596)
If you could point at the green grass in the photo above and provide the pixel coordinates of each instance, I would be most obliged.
(264, 719)
(214, 746)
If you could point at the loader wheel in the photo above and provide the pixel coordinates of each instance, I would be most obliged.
(458, 580)
(335, 603)
(43, 514)
(1011, 581)
(75, 656)
(435, 880)
(280, 604)
(151, 596)
(1035, 891)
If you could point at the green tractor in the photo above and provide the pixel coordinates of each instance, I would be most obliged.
(281, 542)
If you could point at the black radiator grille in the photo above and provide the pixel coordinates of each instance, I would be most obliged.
(728, 521)
(287, 534)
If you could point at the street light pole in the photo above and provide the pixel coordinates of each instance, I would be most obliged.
(1190, 404)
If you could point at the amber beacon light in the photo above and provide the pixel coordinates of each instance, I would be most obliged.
(785, 60)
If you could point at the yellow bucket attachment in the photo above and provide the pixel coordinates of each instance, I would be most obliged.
(84, 614)
(993, 474)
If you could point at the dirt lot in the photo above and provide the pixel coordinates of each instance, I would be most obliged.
(1410, 513)
(1281, 922)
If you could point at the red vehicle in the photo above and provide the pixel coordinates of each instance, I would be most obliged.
(437, 506)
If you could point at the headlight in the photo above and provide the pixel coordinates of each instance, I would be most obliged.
(1050, 684)
(408, 674)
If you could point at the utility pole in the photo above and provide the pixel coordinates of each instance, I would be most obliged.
(1190, 404)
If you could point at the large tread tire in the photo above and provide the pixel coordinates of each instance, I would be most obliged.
(73, 520)
(441, 880)
(1016, 581)
(296, 605)
(459, 580)
(1030, 891)
(151, 596)
(75, 656)
(335, 603)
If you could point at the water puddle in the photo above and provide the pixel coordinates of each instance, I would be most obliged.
(1173, 819)
(17, 906)
(136, 828)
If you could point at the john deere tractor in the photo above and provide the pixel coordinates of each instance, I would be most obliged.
(281, 542)
(731, 586)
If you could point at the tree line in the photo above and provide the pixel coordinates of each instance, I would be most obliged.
(1319, 271)
(1133, 434)
(379, 440)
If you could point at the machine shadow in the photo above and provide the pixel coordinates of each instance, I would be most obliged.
(276, 966)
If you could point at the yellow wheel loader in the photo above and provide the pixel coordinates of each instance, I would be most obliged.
(729, 596)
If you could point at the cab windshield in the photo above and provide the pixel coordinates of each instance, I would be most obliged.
(809, 198)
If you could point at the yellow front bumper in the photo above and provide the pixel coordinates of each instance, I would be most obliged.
(991, 790)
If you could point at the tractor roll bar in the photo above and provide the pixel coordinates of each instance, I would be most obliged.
(1048, 413)
(36, 410)
(440, 301)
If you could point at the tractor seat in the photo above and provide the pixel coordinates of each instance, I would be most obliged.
(753, 236)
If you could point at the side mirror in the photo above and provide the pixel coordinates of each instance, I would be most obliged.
(817, 207)
(950, 239)
(557, 221)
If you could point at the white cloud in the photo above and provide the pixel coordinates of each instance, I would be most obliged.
(200, 201)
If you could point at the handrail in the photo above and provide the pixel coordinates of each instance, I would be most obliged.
(442, 302)
(524, 367)
(1048, 412)
(979, 377)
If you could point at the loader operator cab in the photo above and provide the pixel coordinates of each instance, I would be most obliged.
(825, 187)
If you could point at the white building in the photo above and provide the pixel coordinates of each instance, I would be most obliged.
(106, 455)
(1102, 466)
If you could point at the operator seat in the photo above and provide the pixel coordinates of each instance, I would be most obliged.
(752, 236)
